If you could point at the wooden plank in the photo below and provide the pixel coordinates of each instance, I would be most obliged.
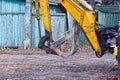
(28, 13)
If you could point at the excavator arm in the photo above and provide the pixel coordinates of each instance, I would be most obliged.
(44, 6)
(85, 18)
(84, 14)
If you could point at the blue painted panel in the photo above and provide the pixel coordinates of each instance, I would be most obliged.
(70, 21)
(53, 9)
(11, 30)
(12, 22)
(12, 5)
(58, 26)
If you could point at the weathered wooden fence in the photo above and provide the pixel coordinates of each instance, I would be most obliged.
(12, 23)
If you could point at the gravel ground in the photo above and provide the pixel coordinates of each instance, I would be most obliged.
(36, 65)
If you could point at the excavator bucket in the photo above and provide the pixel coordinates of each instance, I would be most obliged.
(66, 45)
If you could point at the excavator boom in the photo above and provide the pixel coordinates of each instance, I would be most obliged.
(86, 20)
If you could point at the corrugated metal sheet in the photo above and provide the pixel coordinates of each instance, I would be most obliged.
(108, 15)
(12, 26)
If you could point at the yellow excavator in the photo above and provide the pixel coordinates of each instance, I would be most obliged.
(98, 35)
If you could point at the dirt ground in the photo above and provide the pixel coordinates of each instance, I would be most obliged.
(37, 65)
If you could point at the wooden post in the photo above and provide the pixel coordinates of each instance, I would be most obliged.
(28, 14)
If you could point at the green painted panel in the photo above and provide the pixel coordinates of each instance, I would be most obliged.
(108, 15)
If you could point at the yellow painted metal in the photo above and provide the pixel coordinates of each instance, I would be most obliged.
(44, 5)
(119, 23)
(86, 20)
(115, 51)
(119, 28)
(37, 15)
